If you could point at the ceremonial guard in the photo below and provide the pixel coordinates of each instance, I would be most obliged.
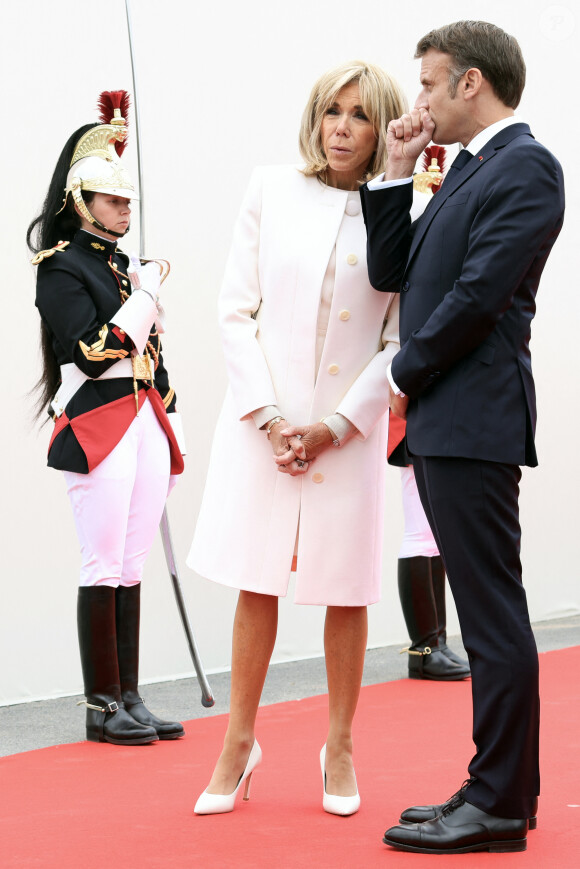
(116, 436)
(420, 568)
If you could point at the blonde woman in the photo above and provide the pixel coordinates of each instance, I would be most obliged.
(296, 477)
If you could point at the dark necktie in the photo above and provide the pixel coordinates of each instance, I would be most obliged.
(462, 158)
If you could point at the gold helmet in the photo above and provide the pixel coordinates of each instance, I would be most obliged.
(96, 164)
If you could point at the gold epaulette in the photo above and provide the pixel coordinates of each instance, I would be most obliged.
(44, 254)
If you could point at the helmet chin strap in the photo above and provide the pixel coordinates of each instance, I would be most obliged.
(82, 207)
(100, 226)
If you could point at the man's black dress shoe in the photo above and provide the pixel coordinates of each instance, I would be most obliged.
(420, 814)
(459, 829)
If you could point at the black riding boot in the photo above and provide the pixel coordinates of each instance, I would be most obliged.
(426, 659)
(128, 609)
(107, 719)
(438, 581)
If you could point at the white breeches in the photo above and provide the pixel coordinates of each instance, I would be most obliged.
(418, 538)
(118, 506)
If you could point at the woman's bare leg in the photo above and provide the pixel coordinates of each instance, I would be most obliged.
(345, 640)
(255, 627)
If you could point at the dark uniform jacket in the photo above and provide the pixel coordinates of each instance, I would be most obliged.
(78, 291)
(468, 270)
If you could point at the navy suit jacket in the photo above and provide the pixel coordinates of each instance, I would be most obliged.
(468, 270)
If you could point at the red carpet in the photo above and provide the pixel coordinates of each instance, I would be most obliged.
(95, 806)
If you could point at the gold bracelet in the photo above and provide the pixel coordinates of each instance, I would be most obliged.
(272, 423)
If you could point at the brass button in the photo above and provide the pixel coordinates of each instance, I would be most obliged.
(121, 331)
(318, 477)
(344, 314)
(115, 266)
(352, 259)
(124, 283)
(333, 369)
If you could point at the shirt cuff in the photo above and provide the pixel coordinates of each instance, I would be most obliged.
(394, 386)
(264, 414)
(341, 428)
(379, 182)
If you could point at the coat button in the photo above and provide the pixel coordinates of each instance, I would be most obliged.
(352, 259)
(333, 369)
(352, 208)
(344, 314)
(406, 287)
(318, 477)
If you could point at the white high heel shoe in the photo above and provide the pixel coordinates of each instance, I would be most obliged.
(332, 803)
(216, 804)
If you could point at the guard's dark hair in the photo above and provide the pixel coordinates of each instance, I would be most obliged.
(49, 228)
(45, 232)
(482, 45)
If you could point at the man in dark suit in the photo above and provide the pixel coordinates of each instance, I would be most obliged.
(468, 270)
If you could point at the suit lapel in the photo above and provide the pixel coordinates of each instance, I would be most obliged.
(458, 179)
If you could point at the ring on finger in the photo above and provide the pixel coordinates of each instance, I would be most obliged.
(300, 463)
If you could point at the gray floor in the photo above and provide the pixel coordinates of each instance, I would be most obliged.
(28, 726)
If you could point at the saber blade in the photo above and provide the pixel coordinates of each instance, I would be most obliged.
(137, 130)
(207, 699)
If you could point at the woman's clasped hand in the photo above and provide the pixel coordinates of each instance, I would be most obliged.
(296, 447)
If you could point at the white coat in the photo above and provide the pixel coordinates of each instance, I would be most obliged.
(246, 532)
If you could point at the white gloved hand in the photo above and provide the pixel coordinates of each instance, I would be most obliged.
(147, 278)
(144, 277)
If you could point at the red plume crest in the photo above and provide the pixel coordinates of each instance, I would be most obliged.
(437, 152)
(107, 103)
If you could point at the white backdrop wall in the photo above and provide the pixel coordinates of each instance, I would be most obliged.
(222, 87)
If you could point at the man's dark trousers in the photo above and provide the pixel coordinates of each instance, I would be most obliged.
(472, 507)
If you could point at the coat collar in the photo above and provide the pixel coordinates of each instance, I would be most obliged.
(450, 185)
(95, 244)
